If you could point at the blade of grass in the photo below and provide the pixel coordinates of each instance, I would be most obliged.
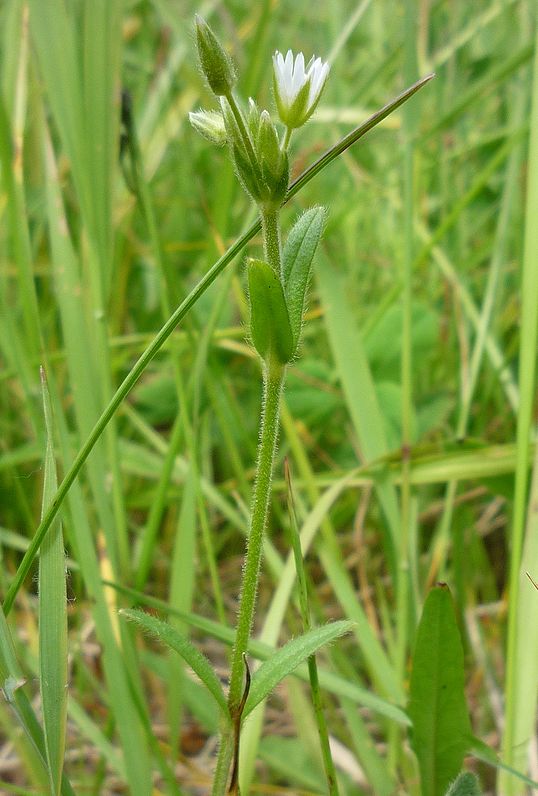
(12, 683)
(359, 391)
(52, 618)
(365, 750)
(403, 586)
(115, 658)
(521, 694)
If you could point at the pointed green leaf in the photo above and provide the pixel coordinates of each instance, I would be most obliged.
(269, 319)
(466, 784)
(437, 707)
(52, 619)
(176, 641)
(297, 263)
(286, 659)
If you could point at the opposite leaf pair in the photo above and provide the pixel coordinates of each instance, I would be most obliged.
(277, 300)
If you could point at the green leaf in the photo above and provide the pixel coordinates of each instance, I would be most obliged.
(466, 784)
(52, 619)
(288, 657)
(437, 707)
(269, 319)
(176, 641)
(297, 264)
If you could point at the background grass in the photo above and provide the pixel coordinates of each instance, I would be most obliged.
(414, 338)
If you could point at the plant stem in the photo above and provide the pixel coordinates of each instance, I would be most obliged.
(224, 760)
(287, 137)
(272, 388)
(273, 379)
(271, 238)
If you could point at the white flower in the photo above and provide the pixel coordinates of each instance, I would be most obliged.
(297, 90)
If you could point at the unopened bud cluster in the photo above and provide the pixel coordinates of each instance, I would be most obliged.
(259, 157)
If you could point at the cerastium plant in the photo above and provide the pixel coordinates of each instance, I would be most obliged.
(277, 288)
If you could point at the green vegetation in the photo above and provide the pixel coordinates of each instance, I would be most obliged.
(142, 304)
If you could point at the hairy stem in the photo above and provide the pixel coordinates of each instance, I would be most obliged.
(272, 388)
(271, 239)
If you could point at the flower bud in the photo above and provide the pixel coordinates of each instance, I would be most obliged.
(216, 64)
(273, 161)
(210, 125)
(268, 144)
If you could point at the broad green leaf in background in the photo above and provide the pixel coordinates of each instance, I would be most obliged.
(273, 670)
(437, 706)
(195, 659)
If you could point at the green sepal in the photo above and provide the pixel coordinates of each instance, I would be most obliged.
(269, 320)
(245, 173)
(253, 119)
(297, 259)
(296, 114)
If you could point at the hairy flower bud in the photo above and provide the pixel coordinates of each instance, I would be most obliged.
(210, 125)
(273, 161)
(216, 64)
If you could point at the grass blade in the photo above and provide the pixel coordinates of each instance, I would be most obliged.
(359, 390)
(521, 692)
(52, 618)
